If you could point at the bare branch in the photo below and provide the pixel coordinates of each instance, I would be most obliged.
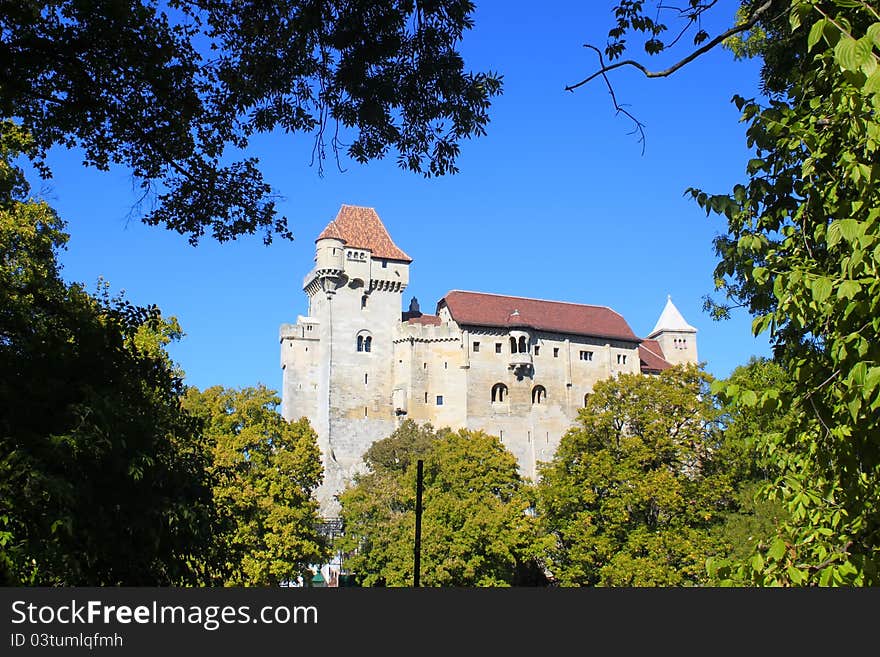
(639, 126)
(743, 27)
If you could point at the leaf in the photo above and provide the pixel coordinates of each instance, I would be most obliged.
(821, 288)
(777, 550)
(848, 289)
(749, 398)
(816, 33)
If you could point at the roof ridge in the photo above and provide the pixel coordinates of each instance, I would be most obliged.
(511, 296)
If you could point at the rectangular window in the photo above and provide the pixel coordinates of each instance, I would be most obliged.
(384, 264)
(537, 349)
(555, 352)
(586, 355)
(476, 347)
(621, 359)
(497, 347)
(439, 400)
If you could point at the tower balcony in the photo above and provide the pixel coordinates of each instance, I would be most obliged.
(520, 362)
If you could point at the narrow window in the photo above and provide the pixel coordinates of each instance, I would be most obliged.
(513, 345)
(426, 397)
(368, 342)
(360, 343)
(439, 400)
(586, 355)
(445, 365)
(497, 347)
(476, 347)
(363, 302)
(384, 264)
(523, 348)
(365, 378)
(555, 352)
(365, 411)
(586, 397)
(537, 348)
(424, 366)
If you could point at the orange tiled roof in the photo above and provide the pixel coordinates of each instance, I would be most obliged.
(425, 320)
(480, 309)
(361, 228)
(651, 357)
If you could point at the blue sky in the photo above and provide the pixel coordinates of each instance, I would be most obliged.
(556, 202)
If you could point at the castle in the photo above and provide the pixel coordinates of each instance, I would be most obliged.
(517, 368)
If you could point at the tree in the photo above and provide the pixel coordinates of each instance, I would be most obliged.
(801, 253)
(265, 470)
(635, 490)
(103, 476)
(753, 521)
(476, 529)
(174, 91)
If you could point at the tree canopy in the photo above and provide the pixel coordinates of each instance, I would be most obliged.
(636, 488)
(103, 477)
(801, 252)
(476, 526)
(174, 91)
(265, 469)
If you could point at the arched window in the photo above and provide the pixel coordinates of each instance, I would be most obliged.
(499, 392)
(523, 348)
(364, 341)
(539, 395)
(586, 397)
(512, 345)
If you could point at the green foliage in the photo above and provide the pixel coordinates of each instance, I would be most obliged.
(634, 492)
(801, 252)
(174, 91)
(754, 519)
(476, 529)
(102, 475)
(265, 469)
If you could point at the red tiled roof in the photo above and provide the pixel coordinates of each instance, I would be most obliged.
(432, 320)
(361, 228)
(480, 309)
(651, 358)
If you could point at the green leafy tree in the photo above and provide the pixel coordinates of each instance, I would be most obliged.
(103, 477)
(755, 519)
(635, 490)
(801, 253)
(175, 90)
(265, 470)
(476, 525)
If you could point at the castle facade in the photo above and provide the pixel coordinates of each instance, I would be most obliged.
(356, 366)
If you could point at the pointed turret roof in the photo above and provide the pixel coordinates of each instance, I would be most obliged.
(671, 320)
(361, 228)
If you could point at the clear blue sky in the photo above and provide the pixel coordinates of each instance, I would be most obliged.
(557, 202)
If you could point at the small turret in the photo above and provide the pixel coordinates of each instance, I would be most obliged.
(676, 337)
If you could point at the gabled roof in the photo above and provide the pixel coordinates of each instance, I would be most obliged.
(651, 358)
(481, 309)
(671, 320)
(361, 228)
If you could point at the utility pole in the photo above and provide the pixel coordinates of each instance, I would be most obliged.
(418, 544)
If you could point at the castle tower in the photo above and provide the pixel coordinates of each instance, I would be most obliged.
(677, 338)
(338, 361)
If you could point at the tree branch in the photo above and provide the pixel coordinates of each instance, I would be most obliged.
(743, 27)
